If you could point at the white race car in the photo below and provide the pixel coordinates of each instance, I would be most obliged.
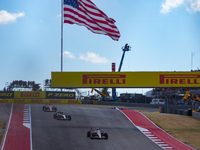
(96, 133)
(62, 116)
(49, 108)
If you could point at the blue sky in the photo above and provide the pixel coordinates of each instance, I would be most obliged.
(162, 34)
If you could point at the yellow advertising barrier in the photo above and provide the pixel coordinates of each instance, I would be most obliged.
(41, 101)
(29, 94)
(125, 79)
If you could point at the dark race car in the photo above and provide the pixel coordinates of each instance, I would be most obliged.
(49, 108)
(62, 116)
(96, 133)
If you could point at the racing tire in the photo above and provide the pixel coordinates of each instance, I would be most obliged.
(91, 136)
(54, 116)
(69, 118)
(88, 134)
(106, 135)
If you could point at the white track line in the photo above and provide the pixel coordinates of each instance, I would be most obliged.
(26, 116)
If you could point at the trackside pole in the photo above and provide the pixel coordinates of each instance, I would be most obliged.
(61, 69)
(61, 35)
(114, 95)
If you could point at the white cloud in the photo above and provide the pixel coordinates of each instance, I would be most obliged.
(170, 4)
(194, 5)
(69, 55)
(6, 17)
(93, 58)
(191, 5)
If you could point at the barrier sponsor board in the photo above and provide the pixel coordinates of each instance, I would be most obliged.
(5, 94)
(6, 100)
(30, 94)
(60, 95)
(125, 79)
(37, 95)
(42, 101)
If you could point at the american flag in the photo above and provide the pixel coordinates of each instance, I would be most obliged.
(85, 13)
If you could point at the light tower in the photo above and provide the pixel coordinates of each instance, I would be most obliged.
(124, 49)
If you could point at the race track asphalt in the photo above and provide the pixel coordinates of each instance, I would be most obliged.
(51, 134)
(5, 112)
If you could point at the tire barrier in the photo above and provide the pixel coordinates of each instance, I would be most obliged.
(196, 115)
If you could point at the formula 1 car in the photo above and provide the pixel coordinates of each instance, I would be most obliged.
(96, 133)
(62, 116)
(49, 108)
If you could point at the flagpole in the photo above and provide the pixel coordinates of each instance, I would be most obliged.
(61, 35)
